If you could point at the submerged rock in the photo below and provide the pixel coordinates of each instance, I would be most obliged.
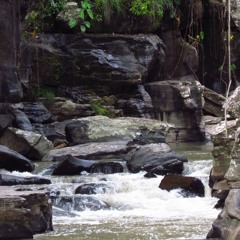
(80, 203)
(13, 161)
(91, 188)
(190, 186)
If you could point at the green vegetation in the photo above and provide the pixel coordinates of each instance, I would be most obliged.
(43, 92)
(84, 13)
(99, 109)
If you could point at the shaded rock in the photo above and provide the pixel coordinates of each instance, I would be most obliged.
(100, 52)
(106, 167)
(227, 225)
(173, 166)
(13, 161)
(100, 128)
(99, 150)
(52, 131)
(92, 188)
(213, 103)
(32, 145)
(6, 120)
(9, 180)
(73, 166)
(63, 109)
(10, 89)
(155, 155)
(190, 186)
(36, 112)
(80, 203)
(21, 119)
(24, 213)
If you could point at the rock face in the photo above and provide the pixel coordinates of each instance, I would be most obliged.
(24, 213)
(13, 161)
(227, 225)
(111, 60)
(190, 186)
(179, 102)
(10, 87)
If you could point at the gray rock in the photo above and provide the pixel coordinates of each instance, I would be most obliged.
(80, 203)
(24, 213)
(227, 225)
(13, 161)
(179, 102)
(9, 180)
(116, 59)
(94, 150)
(32, 145)
(70, 165)
(100, 128)
(149, 156)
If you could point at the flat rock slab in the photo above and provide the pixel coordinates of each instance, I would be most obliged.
(100, 150)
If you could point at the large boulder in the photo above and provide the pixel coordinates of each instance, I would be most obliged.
(100, 128)
(179, 101)
(190, 186)
(92, 188)
(227, 225)
(24, 213)
(32, 145)
(111, 59)
(149, 157)
(13, 161)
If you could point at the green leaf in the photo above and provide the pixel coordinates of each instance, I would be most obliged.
(83, 28)
(72, 23)
(201, 34)
(87, 24)
(81, 14)
(90, 13)
(233, 67)
(177, 2)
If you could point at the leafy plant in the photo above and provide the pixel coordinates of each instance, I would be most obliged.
(153, 8)
(85, 13)
(99, 109)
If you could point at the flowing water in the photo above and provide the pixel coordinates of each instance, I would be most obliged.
(139, 209)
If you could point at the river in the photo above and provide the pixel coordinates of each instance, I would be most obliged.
(139, 209)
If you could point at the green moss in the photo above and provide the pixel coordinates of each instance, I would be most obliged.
(99, 109)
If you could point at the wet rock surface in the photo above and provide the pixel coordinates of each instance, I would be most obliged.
(24, 213)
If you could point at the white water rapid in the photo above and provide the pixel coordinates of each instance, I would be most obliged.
(139, 209)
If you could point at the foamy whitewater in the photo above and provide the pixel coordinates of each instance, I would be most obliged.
(139, 209)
